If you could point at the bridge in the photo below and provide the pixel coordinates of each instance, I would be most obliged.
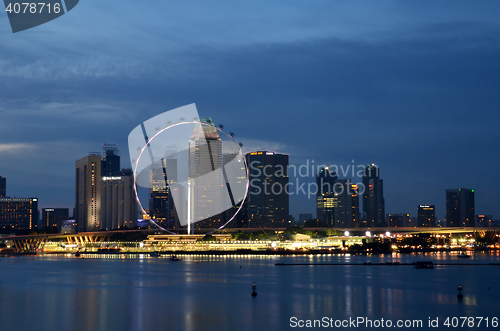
(35, 242)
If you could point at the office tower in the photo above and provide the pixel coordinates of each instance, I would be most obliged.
(205, 176)
(18, 213)
(460, 207)
(268, 204)
(346, 204)
(161, 204)
(400, 221)
(235, 179)
(325, 201)
(325, 208)
(54, 217)
(325, 180)
(3, 187)
(88, 192)
(426, 216)
(484, 221)
(110, 160)
(373, 197)
(118, 203)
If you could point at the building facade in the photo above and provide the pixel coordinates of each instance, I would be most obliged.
(54, 217)
(460, 208)
(18, 214)
(88, 193)
(268, 203)
(426, 216)
(118, 203)
(373, 198)
(3, 187)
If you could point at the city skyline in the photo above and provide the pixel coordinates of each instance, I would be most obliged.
(418, 99)
(372, 172)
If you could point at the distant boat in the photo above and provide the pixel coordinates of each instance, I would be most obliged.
(463, 255)
(155, 254)
(424, 265)
(77, 254)
(175, 258)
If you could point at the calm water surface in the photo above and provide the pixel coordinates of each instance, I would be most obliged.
(213, 293)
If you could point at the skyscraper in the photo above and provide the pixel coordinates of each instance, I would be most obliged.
(118, 203)
(205, 178)
(161, 204)
(110, 160)
(18, 213)
(346, 209)
(426, 216)
(3, 187)
(325, 201)
(268, 204)
(88, 192)
(460, 207)
(54, 217)
(373, 197)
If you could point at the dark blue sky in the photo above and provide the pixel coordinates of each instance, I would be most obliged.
(413, 87)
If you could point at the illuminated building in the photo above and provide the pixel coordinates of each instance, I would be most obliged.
(111, 160)
(205, 177)
(373, 197)
(161, 204)
(88, 193)
(18, 213)
(346, 204)
(54, 217)
(118, 203)
(426, 216)
(460, 207)
(484, 221)
(400, 221)
(325, 201)
(3, 187)
(268, 203)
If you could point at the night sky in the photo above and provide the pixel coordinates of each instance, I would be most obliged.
(413, 87)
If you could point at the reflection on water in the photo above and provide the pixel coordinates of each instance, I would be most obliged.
(213, 293)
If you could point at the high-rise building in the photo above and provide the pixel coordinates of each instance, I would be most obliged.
(400, 221)
(373, 197)
(205, 177)
(118, 203)
(426, 216)
(110, 160)
(54, 217)
(484, 221)
(268, 204)
(161, 203)
(346, 204)
(18, 213)
(460, 207)
(325, 201)
(88, 193)
(3, 187)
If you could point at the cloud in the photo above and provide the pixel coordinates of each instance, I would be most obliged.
(16, 148)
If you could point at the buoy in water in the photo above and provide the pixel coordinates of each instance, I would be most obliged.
(254, 290)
